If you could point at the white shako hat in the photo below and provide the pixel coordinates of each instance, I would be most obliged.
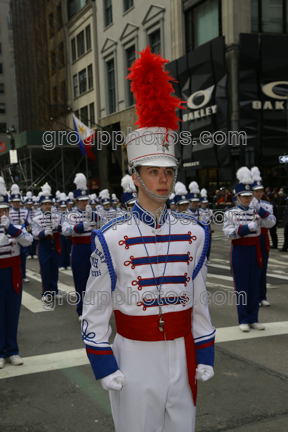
(81, 191)
(62, 200)
(204, 197)
(3, 194)
(15, 193)
(257, 179)
(153, 144)
(46, 194)
(194, 194)
(244, 187)
(180, 194)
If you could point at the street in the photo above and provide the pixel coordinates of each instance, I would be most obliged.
(55, 390)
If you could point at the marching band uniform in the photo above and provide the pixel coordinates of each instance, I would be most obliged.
(46, 229)
(194, 196)
(243, 225)
(79, 224)
(129, 196)
(156, 257)
(206, 216)
(115, 203)
(264, 237)
(172, 204)
(107, 213)
(11, 238)
(180, 198)
(64, 240)
(20, 216)
(29, 206)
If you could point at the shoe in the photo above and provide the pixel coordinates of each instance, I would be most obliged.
(68, 268)
(47, 298)
(60, 294)
(244, 327)
(257, 326)
(2, 362)
(264, 303)
(29, 257)
(61, 268)
(25, 280)
(15, 360)
(80, 318)
(283, 250)
(35, 256)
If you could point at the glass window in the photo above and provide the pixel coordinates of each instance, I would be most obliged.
(80, 43)
(84, 114)
(75, 6)
(155, 41)
(1, 88)
(189, 30)
(108, 12)
(59, 16)
(206, 22)
(90, 77)
(82, 81)
(75, 86)
(76, 113)
(63, 92)
(88, 38)
(92, 114)
(111, 86)
(53, 62)
(130, 57)
(55, 96)
(61, 54)
(73, 48)
(127, 4)
(51, 24)
(3, 128)
(272, 16)
(2, 108)
(254, 16)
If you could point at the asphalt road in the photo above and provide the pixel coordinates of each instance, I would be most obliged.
(55, 390)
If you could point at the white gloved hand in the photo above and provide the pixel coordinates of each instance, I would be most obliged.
(88, 211)
(86, 225)
(204, 372)
(48, 232)
(5, 221)
(253, 226)
(115, 381)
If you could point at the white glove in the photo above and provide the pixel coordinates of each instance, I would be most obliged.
(255, 204)
(86, 225)
(55, 227)
(48, 232)
(88, 211)
(253, 226)
(115, 381)
(204, 372)
(5, 221)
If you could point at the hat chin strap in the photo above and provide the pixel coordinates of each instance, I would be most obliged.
(164, 198)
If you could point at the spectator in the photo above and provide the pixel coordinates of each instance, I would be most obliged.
(228, 196)
(216, 196)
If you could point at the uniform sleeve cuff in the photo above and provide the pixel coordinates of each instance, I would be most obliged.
(41, 235)
(13, 231)
(205, 352)
(102, 361)
(243, 230)
(263, 213)
(79, 228)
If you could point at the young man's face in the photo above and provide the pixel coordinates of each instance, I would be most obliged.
(28, 206)
(172, 206)
(106, 206)
(159, 180)
(194, 205)
(46, 206)
(204, 205)
(182, 207)
(258, 194)
(81, 204)
(4, 211)
(245, 200)
(70, 206)
(16, 204)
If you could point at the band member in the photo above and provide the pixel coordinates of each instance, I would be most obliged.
(258, 192)
(29, 205)
(180, 198)
(206, 215)
(172, 204)
(64, 240)
(129, 196)
(242, 226)
(194, 198)
(155, 256)
(12, 236)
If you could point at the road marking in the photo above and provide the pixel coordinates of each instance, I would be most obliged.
(61, 286)
(228, 278)
(32, 303)
(78, 357)
(276, 276)
(67, 272)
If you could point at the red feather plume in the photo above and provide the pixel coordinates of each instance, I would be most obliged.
(155, 106)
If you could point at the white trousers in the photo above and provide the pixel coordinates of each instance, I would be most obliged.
(157, 396)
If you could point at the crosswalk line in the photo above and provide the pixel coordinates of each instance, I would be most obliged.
(219, 266)
(33, 304)
(78, 357)
(61, 286)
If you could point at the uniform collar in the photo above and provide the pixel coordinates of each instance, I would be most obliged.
(242, 207)
(149, 218)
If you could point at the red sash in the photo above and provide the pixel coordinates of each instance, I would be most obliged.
(81, 240)
(267, 242)
(251, 241)
(176, 325)
(15, 263)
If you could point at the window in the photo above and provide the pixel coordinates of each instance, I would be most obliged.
(88, 38)
(3, 127)
(76, 113)
(80, 43)
(130, 57)
(84, 114)
(268, 16)
(127, 4)
(2, 108)
(108, 12)
(1, 68)
(202, 23)
(61, 54)
(63, 92)
(51, 24)
(75, 6)
(82, 81)
(55, 101)
(111, 86)
(53, 62)
(92, 115)
(1, 88)
(155, 41)
(73, 49)
(75, 86)
(90, 77)
(59, 16)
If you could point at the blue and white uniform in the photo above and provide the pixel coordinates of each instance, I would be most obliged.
(246, 258)
(21, 217)
(206, 216)
(138, 264)
(11, 286)
(65, 244)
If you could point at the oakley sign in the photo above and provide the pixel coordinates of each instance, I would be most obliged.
(197, 101)
(275, 90)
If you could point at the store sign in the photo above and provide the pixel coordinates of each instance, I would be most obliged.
(270, 90)
(197, 102)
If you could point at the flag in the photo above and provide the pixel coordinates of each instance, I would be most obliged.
(86, 136)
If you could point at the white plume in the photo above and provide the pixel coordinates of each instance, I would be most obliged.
(80, 181)
(203, 193)
(34, 197)
(104, 194)
(126, 182)
(180, 189)
(256, 175)
(244, 175)
(46, 189)
(193, 187)
(2, 180)
(40, 194)
(15, 189)
(3, 190)
(93, 196)
(114, 197)
(58, 194)
(70, 195)
(29, 194)
(172, 196)
(62, 196)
